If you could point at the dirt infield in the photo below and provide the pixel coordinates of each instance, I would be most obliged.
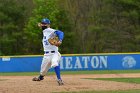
(24, 84)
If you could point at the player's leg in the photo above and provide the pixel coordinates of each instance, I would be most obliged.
(45, 66)
(57, 71)
(55, 63)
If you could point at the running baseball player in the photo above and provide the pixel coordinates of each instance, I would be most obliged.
(51, 57)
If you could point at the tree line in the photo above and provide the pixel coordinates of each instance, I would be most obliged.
(90, 26)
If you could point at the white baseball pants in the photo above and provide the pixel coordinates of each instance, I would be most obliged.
(49, 60)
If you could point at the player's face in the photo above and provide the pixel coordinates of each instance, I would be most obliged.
(44, 26)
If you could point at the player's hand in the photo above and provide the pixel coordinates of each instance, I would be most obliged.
(39, 25)
(55, 41)
(59, 43)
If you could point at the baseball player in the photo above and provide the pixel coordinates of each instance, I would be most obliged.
(51, 57)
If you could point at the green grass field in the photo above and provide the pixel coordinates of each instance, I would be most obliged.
(128, 80)
(118, 91)
(71, 72)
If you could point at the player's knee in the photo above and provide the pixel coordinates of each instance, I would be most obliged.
(54, 65)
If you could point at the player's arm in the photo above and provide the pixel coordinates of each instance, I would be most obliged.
(60, 35)
(56, 41)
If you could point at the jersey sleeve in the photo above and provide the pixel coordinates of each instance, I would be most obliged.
(60, 34)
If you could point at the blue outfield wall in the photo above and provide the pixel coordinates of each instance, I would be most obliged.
(118, 61)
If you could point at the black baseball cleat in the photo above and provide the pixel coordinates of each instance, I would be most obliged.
(38, 78)
(60, 82)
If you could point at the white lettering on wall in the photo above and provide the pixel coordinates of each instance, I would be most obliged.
(94, 62)
(84, 62)
(68, 62)
(103, 61)
(85, 59)
(61, 63)
(77, 63)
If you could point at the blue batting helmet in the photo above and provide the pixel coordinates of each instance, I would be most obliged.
(45, 21)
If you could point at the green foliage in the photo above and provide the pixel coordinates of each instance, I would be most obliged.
(44, 9)
(118, 21)
(90, 26)
(11, 23)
